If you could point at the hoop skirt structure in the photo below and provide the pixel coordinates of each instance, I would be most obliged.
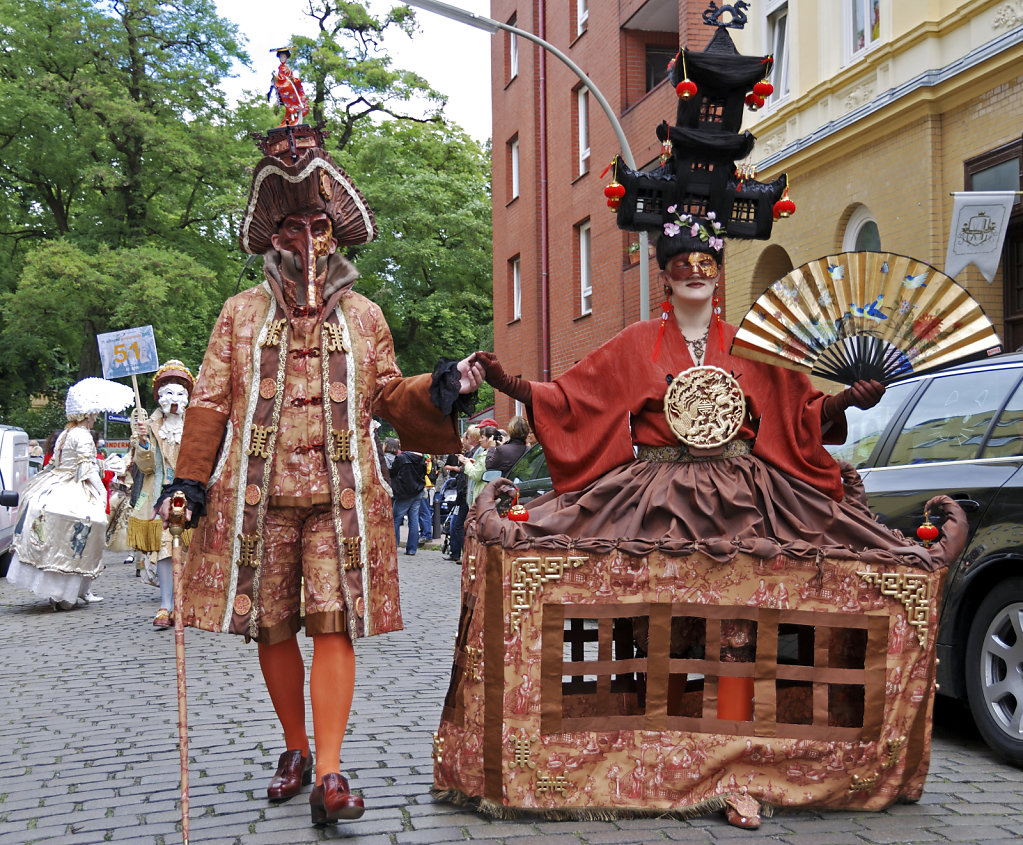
(61, 523)
(669, 631)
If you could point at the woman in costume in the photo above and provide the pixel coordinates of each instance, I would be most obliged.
(612, 429)
(621, 472)
(62, 519)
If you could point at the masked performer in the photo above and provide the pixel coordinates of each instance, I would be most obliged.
(289, 90)
(279, 453)
(665, 448)
(61, 523)
(153, 456)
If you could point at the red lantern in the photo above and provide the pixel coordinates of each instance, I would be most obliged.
(518, 513)
(614, 193)
(928, 532)
(784, 207)
(686, 89)
(763, 88)
(754, 102)
(615, 190)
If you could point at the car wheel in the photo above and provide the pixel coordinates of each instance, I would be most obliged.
(994, 670)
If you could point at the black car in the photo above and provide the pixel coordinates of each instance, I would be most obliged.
(958, 432)
(530, 474)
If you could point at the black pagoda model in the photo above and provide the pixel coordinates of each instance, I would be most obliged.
(700, 176)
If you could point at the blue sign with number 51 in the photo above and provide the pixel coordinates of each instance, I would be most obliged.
(128, 352)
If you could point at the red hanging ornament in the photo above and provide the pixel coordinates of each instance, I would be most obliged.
(763, 88)
(518, 513)
(784, 207)
(614, 193)
(928, 531)
(686, 89)
(754, 102)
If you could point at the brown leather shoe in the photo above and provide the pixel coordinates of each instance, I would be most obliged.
(293, 772)
(332, 800)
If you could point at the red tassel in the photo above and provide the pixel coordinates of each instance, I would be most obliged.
(666, 310)
(716, 302)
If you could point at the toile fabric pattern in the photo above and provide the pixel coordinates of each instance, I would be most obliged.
(296, 396)
(590, 682)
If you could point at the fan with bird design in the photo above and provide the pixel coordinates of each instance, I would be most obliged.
(865, 315)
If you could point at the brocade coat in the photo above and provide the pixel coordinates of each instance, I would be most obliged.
(245, 383)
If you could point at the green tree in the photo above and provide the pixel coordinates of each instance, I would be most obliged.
(430, 266)
(67, 295)
(347, 74)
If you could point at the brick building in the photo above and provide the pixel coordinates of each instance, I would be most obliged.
(881, 109)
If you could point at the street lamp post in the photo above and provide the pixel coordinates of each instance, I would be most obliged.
(492, 26)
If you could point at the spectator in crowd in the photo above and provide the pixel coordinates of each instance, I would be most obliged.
(504, 456)
(426, 505)
(408, 478)
(470, 444)
(390, 451)
(475, 465)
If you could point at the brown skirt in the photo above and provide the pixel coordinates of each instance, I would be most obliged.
(722, 508)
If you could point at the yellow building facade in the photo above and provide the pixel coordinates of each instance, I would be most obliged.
(881, 109)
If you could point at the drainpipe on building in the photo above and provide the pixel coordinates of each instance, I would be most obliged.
(545, 279)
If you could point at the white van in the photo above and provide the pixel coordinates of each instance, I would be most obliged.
(14, 472)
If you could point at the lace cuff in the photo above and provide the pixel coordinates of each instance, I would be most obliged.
(444, 388)
(195, 495)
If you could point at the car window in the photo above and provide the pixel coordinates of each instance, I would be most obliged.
(1007, 438)
(531, 465)
(951, 418)
(865, 427)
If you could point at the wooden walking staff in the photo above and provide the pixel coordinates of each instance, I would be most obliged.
(176, 524)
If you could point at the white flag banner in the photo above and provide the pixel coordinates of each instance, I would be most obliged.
(979, 221)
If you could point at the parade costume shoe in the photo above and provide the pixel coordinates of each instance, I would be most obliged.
(742, 811)
(333, 801)
(162, 618)
(293, 772)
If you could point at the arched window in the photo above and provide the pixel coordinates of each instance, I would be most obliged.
(861, 232)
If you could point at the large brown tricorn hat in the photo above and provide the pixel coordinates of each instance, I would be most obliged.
(297, 176)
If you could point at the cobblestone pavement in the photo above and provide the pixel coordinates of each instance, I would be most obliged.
(88, 741)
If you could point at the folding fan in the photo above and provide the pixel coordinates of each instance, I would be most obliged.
(865, 315)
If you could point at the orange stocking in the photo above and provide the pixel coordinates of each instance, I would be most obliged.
(284, 675)
(331, 686)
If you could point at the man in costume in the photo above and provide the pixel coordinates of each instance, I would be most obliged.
(279, 454)
(289, 90)
(154, 452)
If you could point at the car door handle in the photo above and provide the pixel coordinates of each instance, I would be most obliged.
(965, 502)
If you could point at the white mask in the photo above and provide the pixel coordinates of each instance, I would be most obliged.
(171, 395)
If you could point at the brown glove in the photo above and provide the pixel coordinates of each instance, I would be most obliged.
(497, 378)
(863, 394)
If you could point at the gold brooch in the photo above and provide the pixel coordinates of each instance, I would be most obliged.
(704, 407)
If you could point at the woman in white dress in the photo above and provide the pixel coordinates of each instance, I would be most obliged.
(61, 526)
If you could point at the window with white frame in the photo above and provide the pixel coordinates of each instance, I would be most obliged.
(861, 232)
(863, 24)
(513, 54)
(520, 409)
(582, 14)
(585, 287)
(513, 167)
(778, 46)
(582, 110)
(516, 280)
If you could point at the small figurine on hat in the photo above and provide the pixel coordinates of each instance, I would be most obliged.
(289, 90)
